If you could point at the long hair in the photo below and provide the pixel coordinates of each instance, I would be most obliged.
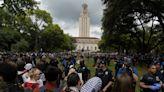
(123, 83)
(32, 72)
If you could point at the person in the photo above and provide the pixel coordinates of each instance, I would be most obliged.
(33, 82)
(160, 73)
(92, 85)
(159, 70)
(73, 83)
(21, 71)
(84, 70)
(54, 61)
(52, 75)
(130, 70)
(33, 56)
(95, 58)
(123, 83)
(25, 75)
(149, 82)
(127, 67)
(41, 66)
(66, 64)
(118, 65)
(8, 74)
(106, 76)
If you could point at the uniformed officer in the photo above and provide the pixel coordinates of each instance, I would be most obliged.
(150, 82)
(106, 76)
(160, 73)
(84, 70)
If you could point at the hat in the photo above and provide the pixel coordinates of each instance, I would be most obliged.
(102, 62)
(71, 66)
(156, 63)
(28, 66)
(93, 84)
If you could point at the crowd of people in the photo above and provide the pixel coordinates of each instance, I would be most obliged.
(68, 72)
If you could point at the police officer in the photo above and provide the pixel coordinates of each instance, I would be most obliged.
(106, 76)
(84, 70)
(160, 73)
(118, 65)
(66, 64)
(150, 82)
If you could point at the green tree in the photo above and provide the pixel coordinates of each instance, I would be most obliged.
(53, 39)
(21, 46)
(14, 20)
(12, 9)
(24, 27)
(40, 21)
(8, 37)
(68, 43)
(133, 24)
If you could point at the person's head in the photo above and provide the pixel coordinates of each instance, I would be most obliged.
(128, 62)
(52, 74)
(158, 66)
(28, 66)
(34, 74)
(102, 64)
(71, 70)
(82, 62)
(152, 69)
(8, 72)
(20, 65)
(73, 80)
(123, 83)
(41, 66)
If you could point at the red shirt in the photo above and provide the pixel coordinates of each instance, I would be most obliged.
(31, 85)
(50, 87)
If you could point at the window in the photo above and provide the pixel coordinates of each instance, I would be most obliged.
(87, 47)
(95, 48)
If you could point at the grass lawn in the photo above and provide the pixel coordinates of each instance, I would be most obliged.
(141, 70)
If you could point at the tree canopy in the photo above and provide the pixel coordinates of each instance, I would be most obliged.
(25, 27)
(133, 25)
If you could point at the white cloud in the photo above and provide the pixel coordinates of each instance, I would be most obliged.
(66, 13)
(1, 2)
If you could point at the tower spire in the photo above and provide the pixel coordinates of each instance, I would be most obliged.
(84, 21)
(85, 1)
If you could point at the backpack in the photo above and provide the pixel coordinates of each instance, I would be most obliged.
(27, 89)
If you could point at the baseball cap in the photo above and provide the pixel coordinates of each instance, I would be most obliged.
(28, 66)
(157, 62)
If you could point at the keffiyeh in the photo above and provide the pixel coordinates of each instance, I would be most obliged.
(92, 85)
